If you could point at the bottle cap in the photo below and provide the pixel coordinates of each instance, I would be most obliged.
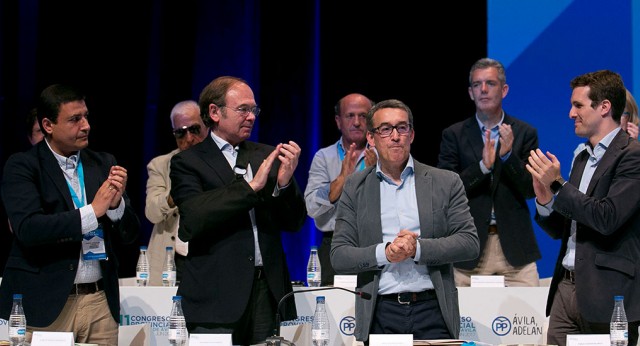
(618, 297)
(143, 247)
(313, 247)
(176, 298)
(320, 299)
(17, 296)
(170, 248)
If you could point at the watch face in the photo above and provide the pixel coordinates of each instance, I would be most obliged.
(555, 186)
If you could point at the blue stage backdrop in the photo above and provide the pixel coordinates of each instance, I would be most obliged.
(543, 45)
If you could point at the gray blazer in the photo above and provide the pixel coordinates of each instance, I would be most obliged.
(447, 235)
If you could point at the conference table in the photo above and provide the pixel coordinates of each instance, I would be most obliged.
(489, 315)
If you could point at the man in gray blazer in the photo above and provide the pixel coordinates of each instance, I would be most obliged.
(400, 226)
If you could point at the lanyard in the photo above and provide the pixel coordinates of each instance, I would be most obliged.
(78, 202)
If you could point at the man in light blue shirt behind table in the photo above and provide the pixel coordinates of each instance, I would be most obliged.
(330, 168)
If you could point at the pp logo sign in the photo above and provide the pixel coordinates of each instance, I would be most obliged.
(501, 326)
(348, 325)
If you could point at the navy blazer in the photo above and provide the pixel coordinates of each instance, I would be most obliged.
(214, 208)
(506, 189)
(44, 258)
(608, 231)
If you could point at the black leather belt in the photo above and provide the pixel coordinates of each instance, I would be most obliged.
(409, 297)
(259, 273)
(493, 229)
(87, 288)
(570, 275)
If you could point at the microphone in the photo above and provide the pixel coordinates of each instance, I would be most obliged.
(240, 171)
(277, 340)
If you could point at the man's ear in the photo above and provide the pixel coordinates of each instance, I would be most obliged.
(47, 126)
(370, 139)
(214, 113)
(606, 108)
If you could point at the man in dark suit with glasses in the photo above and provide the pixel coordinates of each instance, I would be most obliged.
(235, 198)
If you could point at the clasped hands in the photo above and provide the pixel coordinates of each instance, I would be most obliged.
(110, 192)
(402, 247)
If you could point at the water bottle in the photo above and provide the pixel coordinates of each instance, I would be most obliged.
(320, 326)
(142, 268)
(17, 322)
(169, 268)
(619, 327)
(313, 268)
(178, 334)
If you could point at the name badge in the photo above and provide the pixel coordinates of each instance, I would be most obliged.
(93, 245)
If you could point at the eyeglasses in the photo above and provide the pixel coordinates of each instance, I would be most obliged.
(385, 130)
(245, 110)
(182, 131)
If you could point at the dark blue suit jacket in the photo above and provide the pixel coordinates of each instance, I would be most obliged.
(46, 249)
(214, 208)
(608, 231)
(507, 188)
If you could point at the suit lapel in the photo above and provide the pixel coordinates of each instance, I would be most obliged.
(472, 136)
(54, 172)
(209, 152)
(424, 194)
(92, 176)
(620, 141)
(372, 213)
(578, 168)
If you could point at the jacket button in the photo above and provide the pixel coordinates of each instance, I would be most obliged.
(251, 259)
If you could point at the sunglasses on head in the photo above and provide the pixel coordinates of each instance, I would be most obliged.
(181, 132)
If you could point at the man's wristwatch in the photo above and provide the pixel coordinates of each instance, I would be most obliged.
(557, 185)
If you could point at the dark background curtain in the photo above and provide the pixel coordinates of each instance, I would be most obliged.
(136, 59)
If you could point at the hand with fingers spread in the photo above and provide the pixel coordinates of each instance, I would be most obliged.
(545, 168)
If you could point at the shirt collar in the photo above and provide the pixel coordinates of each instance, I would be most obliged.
(481, 125)
(65, 162)
(223, 145)
(598, 151)
(408, 169)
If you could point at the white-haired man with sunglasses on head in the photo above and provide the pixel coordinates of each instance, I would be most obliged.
(188, 129)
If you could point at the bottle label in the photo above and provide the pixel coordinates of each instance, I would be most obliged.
(177, 334)
(320, 334)
(169, 275)
(619, 335)
(313, 276)
(142, 275)
(17, 332)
